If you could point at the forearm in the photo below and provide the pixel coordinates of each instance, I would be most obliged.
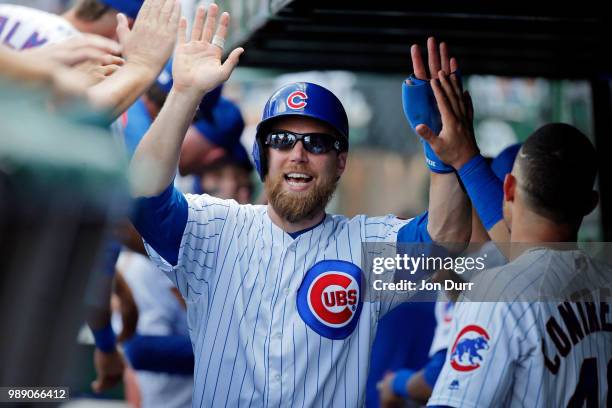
(154, 163)
(418, 389)
(120, 90)
(486, 194)
(19, 67)
(171, 354)
(449, 210)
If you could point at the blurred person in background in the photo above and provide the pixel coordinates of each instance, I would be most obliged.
(24, 27)
(145, 48)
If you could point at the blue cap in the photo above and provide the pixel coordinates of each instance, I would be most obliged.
(306, 99)
(240, 156)
(164, 79)
(164, 83)
(502, 164)
(224, 126)
(128, 7)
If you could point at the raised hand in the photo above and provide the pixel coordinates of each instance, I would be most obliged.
(437, 60)
(197, 63)
(76, 50)
(455, 145)
(150, 42)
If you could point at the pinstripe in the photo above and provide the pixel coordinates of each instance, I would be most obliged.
(231, 316)
(293, 393)
(236, 341)
(240, 322)
(258, 309)
(507, 309)
(307, 353)
(555, 272)
(221, 314)
(275, 293)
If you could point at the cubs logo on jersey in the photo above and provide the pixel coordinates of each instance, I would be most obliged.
(297, 100)
(329, 298)
(470, 344)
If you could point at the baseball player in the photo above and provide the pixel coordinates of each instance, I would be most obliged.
(524, 351)
(273, 293)
(24, 27)
(417, 385)
(145, 47)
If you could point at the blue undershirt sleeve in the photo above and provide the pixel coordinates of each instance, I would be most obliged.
(433, 368)
(171, 354)
(161, 221)
(415, 230)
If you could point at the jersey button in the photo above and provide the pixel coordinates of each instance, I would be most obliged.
(287, 291)
(278, 336)
(277, 377)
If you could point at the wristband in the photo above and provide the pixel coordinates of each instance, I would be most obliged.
(420, 107)
(400, 381)
(105, 338)
(485, 190)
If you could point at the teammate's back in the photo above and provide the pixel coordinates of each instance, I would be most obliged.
(537, 333)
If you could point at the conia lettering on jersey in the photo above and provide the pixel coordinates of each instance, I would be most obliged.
(579, 321)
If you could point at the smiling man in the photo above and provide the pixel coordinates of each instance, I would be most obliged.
(275, 294)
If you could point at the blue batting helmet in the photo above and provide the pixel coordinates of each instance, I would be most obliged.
(128, 7)
(300, 99)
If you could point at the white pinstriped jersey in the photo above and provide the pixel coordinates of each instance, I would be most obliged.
(523, 353)
(25, 27)
(444, 307)
(242, 278)
(444, 317)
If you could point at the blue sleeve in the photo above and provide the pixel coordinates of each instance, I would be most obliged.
(138, 122)
(161, 221)
(110, 253)
(414, 240)
(415, 230)
(167, 354)
(485, 190)
(433, 368)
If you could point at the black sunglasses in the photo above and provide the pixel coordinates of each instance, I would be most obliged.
(315, 143)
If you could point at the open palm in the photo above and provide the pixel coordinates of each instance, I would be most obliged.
(197, 63)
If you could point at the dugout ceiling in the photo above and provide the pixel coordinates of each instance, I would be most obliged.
(511, 38)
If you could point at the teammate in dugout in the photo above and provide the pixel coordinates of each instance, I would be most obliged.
(254, 277)
(407, 384)
(521, 350)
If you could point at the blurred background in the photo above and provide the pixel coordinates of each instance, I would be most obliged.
(525, 65)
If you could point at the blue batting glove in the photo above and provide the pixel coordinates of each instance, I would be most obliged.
(420, 107)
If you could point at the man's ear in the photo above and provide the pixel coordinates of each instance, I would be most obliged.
(341, 163)
(509, 187)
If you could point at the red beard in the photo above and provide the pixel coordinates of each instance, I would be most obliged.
(296, 206)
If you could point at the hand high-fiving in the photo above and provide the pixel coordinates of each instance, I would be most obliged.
(197, 63)
(151, 40)
(455, 145)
